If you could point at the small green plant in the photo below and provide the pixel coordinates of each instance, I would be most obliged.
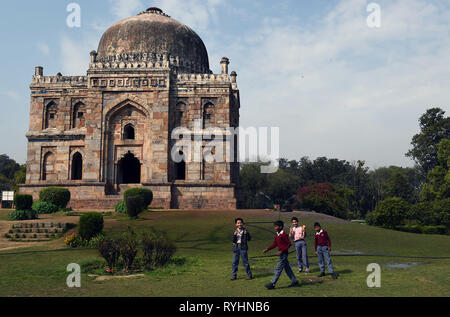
(121, 208)
(43, 207)
(90, 225)
(55, 195)
(23, 215)
(23, 202)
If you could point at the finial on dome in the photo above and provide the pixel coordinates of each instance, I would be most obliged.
(154, 10)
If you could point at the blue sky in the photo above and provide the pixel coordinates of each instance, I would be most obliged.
(334, 86)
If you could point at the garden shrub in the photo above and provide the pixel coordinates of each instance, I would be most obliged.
(435, 229)
(110, 251)
(128, 247)
(164, 250)
(389, 213)
(410, 228)
(144, 193)
(148, 247)
(121, 208)
(90, 225)
(55, 195)
(157, 250)
(23, 202)
(42, 207)
(23, 215)
(134, 206)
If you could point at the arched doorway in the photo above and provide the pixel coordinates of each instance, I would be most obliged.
(77, 167)
(180, 168)
(129, 170)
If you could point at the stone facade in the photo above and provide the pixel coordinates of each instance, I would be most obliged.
(110, 130)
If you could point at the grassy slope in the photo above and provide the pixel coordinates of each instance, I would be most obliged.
(204, 236)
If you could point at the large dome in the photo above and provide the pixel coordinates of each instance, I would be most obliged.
(153, 32)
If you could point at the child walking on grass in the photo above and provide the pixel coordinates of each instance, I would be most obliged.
(282, 242)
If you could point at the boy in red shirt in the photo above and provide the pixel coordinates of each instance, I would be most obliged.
(323, 249)
(283, 244)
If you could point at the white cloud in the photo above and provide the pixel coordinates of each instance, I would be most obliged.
(197, 14)
(342, 89)
(43, 48)
(126, 8)
(75, 54)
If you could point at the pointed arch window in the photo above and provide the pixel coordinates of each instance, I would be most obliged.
(129, 132)
(77, 167)
(208, 115)
(50, 115)
(48, 167)
(179, 114)
(78, 116)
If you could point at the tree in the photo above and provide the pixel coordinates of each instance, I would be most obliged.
(11, 173)
(281, 186)
(389, 213)
(398, 186)
(438, 179)
(252, 182)
(434, 127)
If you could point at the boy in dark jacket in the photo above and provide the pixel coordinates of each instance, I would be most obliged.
(282, 242)
(323, 249)
(240, 239)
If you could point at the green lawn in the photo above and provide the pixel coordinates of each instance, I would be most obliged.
(204, 238)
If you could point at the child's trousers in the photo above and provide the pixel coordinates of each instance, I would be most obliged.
(283, 264)
(302, 254)
(324, 254)
(239, 253)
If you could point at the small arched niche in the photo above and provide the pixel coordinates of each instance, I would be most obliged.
(129, 133)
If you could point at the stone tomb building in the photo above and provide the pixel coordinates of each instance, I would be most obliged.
(110, 130)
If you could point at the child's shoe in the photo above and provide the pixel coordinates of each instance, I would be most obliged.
(270, 286)
(294, 284)
(334, 276)
(233, 278)
(322, 274)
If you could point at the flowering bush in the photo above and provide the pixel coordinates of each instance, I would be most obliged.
(322, 198)
(74, 240)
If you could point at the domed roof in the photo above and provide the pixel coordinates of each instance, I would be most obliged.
(154, 32)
